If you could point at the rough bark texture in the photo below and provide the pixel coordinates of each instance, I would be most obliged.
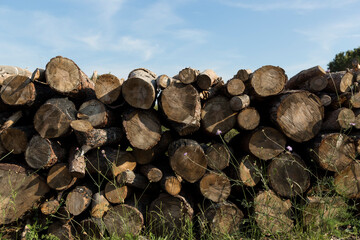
(187, 159)
(11, 120)
(19, 192)
(206, 79)
(341, 118)
(347, 181)
(268, 81)
(96, 113)
(188, 75)
(288, 175)
(18, 90)
(78, 200)
(248, 119)
(239, 102)
(181, 105)
(218, 156)
(311, 79)
(99, 205)
(129, 178)
(217, 115)
(243, 74)
(298, 114)
(213, 91)
(142, 128)
(139, 90)
(53, 118)
(339, 82)
(108, 88)
(235, 87)
(215, 186)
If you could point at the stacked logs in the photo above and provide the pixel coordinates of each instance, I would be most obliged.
(116, 156)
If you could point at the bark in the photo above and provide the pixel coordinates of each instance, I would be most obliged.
(139, 90)
(96, 113)
(311, 79)
(342, 118)
(78, 200)
(181, 105)
(188, 75)
(65, 77)
(11, 120)
(108, 88)
(49, 207)
(213, 91)
(339, 82)
(19, 192)
(142, 128)
(77, 164)
(163, 81)
(18, 90)
(248, 119)
(239, 102)
(217, 115)
(99, 205)
(187, 159)
(218, 156)
(59, 177)
(7, 71)
(206, 79)
(235, 87)
(152, 173)
(243, 74)
(38, 75)
(215, 186)
(53, 118)
(129, 178)
(299, 115)
(347, 181)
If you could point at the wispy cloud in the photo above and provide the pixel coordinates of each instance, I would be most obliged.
(141, 47)
(193, 35)
(307, 5)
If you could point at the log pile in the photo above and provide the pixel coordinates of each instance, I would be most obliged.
(117, 156)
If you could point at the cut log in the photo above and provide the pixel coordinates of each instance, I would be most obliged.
(339, 82)
(248, 119)
(59, 177)
(49, 207)
(272, 214)
(320, 210)
(7, 71)
(325, 99)
(152, 173)
(132, 179)
(89, 229)
(347, 181)
(142, 128)
(123, 220)
(43, 153)
(116, 194)
(181, 105)
(298, 114)
(61, 231)
(18, 90)
(239, 102)
(311, 79)
(77, 163)
(243, 74)
(206, 79)
(139, 90)
(334, 151)
(235, 87)
(168, 214)
(221, 218)
(264, 142)
(213, 91)
(19, 191)
(65, 77)
(218, 156)
(78, 200)
(342, 118)
(355, 100)
(249, 171)
(88, 136)
(288, 175)
(16, 139)
(215, 186)
(187, 159)
(99, 205)
(217, 116)
(53, 118)
(188, 75)
(96, 113)
(268, 81)
(163, 81)
(11, 121)
(108, 88)
(171, 184)
(38, 75)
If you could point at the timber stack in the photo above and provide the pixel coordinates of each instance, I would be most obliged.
(116, 156)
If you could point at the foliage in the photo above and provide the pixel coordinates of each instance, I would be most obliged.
(343, 60)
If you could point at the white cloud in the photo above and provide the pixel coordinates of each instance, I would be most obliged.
(136, 46)
(307, 5)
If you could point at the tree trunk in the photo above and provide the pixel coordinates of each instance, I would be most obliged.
(99, 205)
(311, 80)
(59, 177)
(181, 105)
(212, 92)
(168, 214)
(152, 173)
(288, 175)
(78, 200)
(16, 139)
(215, 186)
(235, 87)
(218, 156)
(239, 102)
(243, 74)
(188, 75)
(248, 119)
(339, 82)
(187, 159)
(272, 214)
(206, 79)
(342, 118)
(217, 116)
(53, 118)
(268, 81)
(347, 181)
(171, 184)
(108, 88)
(334, 151)
(122, 220)
(139, 90)
(298, 114)
(19, 191)
(65, 77)
(7, 71)
(142, 128)
(116, 194)
(96, 113)
(18, 90)
(43, 153)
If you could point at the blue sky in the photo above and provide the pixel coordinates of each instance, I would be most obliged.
(117, 36)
